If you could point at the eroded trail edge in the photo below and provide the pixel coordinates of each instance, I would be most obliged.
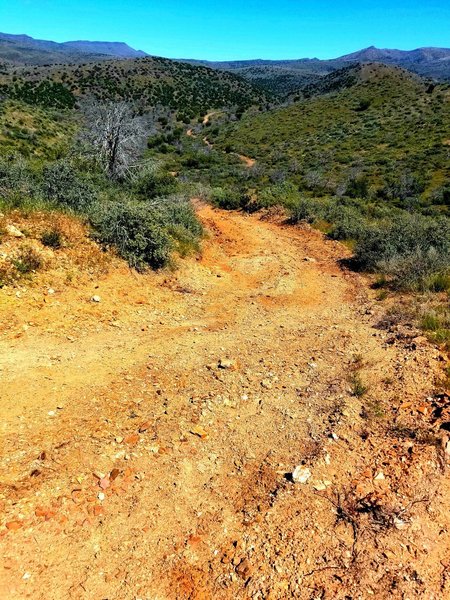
(147, 441)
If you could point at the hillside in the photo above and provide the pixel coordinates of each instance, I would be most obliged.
(380, 120)
(149, 81)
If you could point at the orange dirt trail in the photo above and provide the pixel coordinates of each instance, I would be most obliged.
(132, 466)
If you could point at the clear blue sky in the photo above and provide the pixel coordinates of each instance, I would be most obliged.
(234, 29)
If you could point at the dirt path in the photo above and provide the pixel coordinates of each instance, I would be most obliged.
(146, 439)
(246, 160)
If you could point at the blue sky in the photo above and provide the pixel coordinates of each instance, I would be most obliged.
(235, 29)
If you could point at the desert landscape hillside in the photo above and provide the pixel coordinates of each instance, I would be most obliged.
(224, 326)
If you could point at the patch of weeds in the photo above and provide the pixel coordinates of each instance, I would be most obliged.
(359, 389)
(381, 295)
(27, 261)
(52, 239)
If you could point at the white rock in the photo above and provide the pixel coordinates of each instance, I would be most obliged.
(301, 474)
(225, 363)
(95, 299)
(12, 231)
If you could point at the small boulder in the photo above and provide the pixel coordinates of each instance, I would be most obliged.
(301, 474)
(12, 231)
(226, 363)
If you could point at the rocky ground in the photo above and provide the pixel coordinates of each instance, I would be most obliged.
(249, 426)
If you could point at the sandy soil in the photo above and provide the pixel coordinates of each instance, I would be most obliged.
(148, 439)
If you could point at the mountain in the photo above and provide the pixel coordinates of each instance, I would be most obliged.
(23, 49)
(116, 49)
(386, 55)
(288, 76)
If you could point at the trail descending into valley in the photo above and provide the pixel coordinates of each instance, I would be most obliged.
(149, 439)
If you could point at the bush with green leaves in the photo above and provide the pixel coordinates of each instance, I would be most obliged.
(63, 185)
(227, 198)
(410, 248)
(347, 222)
(150, 181)
(307, 210)
(17, 181)
(146, 233)
(133, 229)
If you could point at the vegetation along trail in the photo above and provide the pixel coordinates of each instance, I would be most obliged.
(153, 455)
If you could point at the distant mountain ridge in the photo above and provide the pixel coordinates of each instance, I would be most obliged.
(289, 75)
(23, 49)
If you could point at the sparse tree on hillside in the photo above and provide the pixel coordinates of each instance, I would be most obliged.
(117, 133)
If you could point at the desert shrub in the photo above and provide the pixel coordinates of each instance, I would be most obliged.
(63, 185)
(17, 181)
(177, 211)
(145, 234)
(52, 238)
(308, 210)
(227, 198)
(283, 194)
(150, 182)
(411, 249)
(348, 223)
(134, 231)
(27, 261)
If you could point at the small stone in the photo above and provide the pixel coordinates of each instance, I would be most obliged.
(265, 383)
(145, 426)
(12, 231)
(50, 291)
(95, 299)
(132, 439)
(26, 576)
(104, 483)
(14, 525)
(200, 432)
(119, 439)
(319, 486)
(301, 474)
(380, 476)
(225, 363)
(101, 496)
(399, 523)
(51, 413)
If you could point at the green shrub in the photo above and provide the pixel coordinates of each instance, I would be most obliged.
(227, 198)
(411, 249)
(63, 185)
(308, 210)
(348, 224)
(145, 234)
(134, 231)
(52, 238)
(150, 182)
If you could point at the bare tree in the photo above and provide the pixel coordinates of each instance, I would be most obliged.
(117, 133)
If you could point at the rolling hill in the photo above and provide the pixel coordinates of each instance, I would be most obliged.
(377, 120)
(150, 81)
